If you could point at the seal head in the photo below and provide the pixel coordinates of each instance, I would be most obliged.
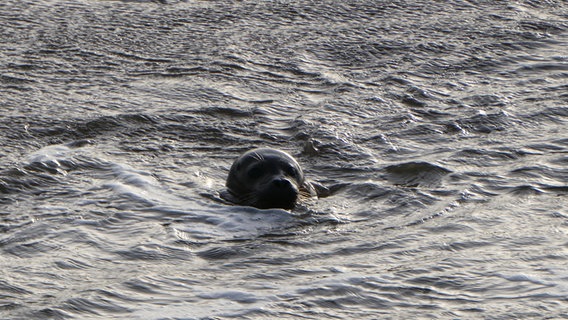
(266, 178)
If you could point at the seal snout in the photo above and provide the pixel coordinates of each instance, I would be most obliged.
(281, 183)
(280, 192)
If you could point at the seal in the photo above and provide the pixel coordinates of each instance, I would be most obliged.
(267, 178)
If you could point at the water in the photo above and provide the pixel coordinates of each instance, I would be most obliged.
(440, 127)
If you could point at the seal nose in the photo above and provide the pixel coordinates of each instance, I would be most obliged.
(280, 192)
(281, 183)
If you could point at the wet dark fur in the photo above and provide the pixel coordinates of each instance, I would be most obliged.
(267, 178)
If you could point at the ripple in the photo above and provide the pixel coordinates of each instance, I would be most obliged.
(415, 174)
(225, 252)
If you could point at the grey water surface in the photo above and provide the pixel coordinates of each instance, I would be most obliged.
(440, 128)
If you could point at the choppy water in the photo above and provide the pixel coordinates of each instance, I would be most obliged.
(440, 127)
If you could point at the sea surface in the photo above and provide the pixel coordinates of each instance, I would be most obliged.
(439, 127)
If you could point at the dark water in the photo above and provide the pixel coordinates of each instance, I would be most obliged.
(440, 127)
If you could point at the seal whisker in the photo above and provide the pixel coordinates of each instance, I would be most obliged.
(257, 156)
(304, 194)
(248, 199)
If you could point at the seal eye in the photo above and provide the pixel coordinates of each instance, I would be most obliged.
(290, 171)
(255, 172)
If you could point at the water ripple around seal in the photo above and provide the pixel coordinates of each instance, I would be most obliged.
(440, 139)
